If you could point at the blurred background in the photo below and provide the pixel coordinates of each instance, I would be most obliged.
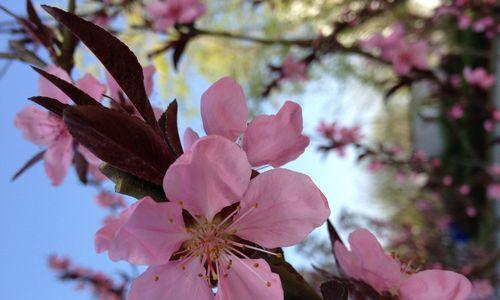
(404, 144)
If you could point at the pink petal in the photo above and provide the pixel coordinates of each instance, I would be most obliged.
(223, 109)
(191, 10)
(146, 233)
(58, 158)
(349, 263)
(378, 269)
(39, 126)
(47, 89)
(148, 72)
(276, 139)
(173, 280)
(280, 209)
(190, 136)
(435, 285)
(249, 279)
(90, 85)
(211, 175)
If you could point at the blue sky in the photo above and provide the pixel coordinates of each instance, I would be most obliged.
(37, 219)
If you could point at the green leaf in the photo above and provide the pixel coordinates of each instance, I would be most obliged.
(130, 185)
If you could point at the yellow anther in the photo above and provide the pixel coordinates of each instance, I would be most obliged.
(255, 265)
(268, 284)
(170, 220)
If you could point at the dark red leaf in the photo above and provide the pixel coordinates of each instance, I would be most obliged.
(78, 96)
(168, 125)
(334, 290)
(120, 62)
(44, 33)
(29, 164)
(121, 140)
(52, 105)
(81, 166)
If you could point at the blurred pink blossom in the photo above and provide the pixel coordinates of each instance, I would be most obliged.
(109, 200)
(479, 77)
(457, 111)
(167, 13)
(483, 24)
(367, 261)
(494, 191)
(464, 189)
(481, 290)
(294, 68)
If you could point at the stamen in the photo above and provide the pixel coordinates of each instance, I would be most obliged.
(242, 216)
(243, 246)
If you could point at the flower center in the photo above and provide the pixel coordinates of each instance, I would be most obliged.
(215, 244)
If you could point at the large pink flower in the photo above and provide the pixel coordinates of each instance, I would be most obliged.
(268, 139)
(294, 68)
(167, 13)
(230, 214)
(368, 262)
(49, 131)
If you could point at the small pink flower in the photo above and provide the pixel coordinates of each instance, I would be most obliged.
(110, 200)
(488, 126)
(481, 290)
(494, 191)
(457, 111)
(386, 44)
(375, 166)
(494, 170)
(464, 189)
(482, 24)
(496, 114)
(267, 140)
(294, 69)
(447, 180)
(479, 77)
(59, 263)
(464, 22)
(408, 56)
(167, 13)
(368, 262)
(471, 211)
(278, 208)
(47, 130)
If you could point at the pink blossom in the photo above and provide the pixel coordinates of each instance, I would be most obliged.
(368, 262)
(494, 170)
(109, 200)
(167, 13)
(408, 56)
(294, 69)
(481, 290)
(482, 24)
(488, 125)
(59, 263)
(277, 208)
(455, 80)
(447, 180)
(375, 166)
(386, 44)
(464, 22)
(494, 191)
(267, 140)
(47, 130)
(496, 114)
(479, 77)
(339, 136)
(457, 111)
(471, 211)
(464, 189)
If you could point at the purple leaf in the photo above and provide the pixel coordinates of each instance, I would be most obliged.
(78, 96)
(120, 62)
(52, 105)
(121, 140)
(168, 125)
(334, 290)
(38, 157)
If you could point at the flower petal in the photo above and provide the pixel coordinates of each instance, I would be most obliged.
(212, 174)
(47, 89)
(378, 269)
(276, 139)
(223, 109)
(90, 85)
(280, 208)
(435, 285)
(146, 233)
(171, 281)
(38, 126)
(58, 158)
(190, 136)
(249, 279)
